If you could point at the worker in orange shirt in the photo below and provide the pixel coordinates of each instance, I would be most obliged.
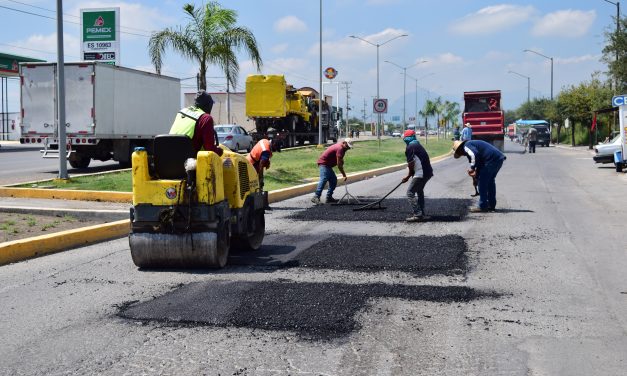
(261, 154)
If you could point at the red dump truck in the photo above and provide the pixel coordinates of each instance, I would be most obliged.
(482, 109)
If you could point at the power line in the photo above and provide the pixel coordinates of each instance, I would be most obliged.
(66, 21)
(70, 15)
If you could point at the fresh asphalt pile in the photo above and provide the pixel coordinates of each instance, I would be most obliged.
(396, 210)
(422, 255)
(314, 311)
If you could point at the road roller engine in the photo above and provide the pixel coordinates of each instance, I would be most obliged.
(189, 209)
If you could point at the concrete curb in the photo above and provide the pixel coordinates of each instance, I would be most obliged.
(22, 249)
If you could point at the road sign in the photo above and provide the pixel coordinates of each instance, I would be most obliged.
(100, 35)
(380, 106)
(330, 73)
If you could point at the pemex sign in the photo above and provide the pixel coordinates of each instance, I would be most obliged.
(100, 35)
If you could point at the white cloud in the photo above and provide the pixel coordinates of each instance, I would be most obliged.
(350, 48)
(577, 59)
(134, 18)
(492, 19)
(290, 24)
(437, 61)
(565, 23)
(45, 46)
(279, 48)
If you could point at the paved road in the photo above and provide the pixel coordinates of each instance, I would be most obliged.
(23, 163)
(537, 288)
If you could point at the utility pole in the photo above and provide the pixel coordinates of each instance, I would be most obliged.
(347, 84)
(364, 114)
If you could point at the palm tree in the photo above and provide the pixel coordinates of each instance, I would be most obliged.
(428, 110)
(211, 37)
(451, 112)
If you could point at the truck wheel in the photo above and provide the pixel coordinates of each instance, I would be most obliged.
(79, 161)
(619, 167)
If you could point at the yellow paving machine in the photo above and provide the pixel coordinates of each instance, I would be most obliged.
(190, 209)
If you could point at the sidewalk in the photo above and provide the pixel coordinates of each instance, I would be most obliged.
(109, 211)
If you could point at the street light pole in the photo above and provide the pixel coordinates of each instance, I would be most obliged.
(405, 84)
(546, 57)
(320, 77)
(377, 45)
(61, 94)
(528, 84)
(617, 32)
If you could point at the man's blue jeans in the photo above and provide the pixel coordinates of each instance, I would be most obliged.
(326, 175)
(487, 185)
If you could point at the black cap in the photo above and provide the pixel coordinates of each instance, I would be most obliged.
(204, 101)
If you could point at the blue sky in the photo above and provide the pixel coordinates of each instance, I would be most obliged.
(467, 44)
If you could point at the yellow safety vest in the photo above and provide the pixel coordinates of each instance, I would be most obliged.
(185, 121)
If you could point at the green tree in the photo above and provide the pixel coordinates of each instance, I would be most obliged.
(451, 114)
(616, 45)
(211, 37)
(578, 104)
(428, 110)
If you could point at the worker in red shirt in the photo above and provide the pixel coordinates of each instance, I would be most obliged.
(333, 156)
(196, 123)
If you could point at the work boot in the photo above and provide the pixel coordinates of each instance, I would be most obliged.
(315, 200)
(478, 210)
(417, 218)
(331, 200)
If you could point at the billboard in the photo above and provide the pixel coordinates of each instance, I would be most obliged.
(100, 35)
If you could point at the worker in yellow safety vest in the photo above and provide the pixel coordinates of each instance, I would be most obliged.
(196, 123)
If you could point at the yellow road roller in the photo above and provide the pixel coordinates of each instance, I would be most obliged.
(190, 208)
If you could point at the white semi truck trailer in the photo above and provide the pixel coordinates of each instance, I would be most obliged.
(110, 110)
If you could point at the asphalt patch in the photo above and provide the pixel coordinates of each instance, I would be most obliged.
(421, 255)
(314, 311)
(396, 210)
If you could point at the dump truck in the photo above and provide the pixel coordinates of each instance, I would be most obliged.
(189, 209)
(482, 109)
(293, 113)
(110, 110)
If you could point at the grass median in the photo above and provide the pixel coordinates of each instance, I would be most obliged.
(289, 168)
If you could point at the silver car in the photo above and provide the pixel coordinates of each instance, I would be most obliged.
(234, 137)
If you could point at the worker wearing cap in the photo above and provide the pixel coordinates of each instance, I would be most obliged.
(196, 123)
(466, 132)
(261, 153)
(485, 163)
(420, 171)
(333, 156)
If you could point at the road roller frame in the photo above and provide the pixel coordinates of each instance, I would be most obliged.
(192, 219)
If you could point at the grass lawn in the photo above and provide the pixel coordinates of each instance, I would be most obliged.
(289, 168)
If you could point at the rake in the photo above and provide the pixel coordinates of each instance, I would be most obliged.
(377, 204)
(348, 197)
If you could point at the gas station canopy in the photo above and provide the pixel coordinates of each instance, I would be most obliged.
(9, 64)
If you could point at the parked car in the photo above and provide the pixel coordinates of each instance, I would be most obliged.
(604, 152)
(396, 134)
(234, 137)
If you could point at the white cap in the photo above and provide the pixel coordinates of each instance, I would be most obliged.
(467, 125)
(349, 142)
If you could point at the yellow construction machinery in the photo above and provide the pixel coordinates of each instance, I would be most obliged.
(272, 103)
(190, 209)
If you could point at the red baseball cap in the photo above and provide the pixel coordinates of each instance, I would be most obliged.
(409, 133)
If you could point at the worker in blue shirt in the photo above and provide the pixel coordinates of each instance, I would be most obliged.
(485, 163)
(466, 132)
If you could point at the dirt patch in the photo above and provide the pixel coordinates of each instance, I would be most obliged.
(14, 226)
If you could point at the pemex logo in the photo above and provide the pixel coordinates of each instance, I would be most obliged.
(99, 21)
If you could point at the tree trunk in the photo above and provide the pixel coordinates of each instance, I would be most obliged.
(573, 134)
(203, 76)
